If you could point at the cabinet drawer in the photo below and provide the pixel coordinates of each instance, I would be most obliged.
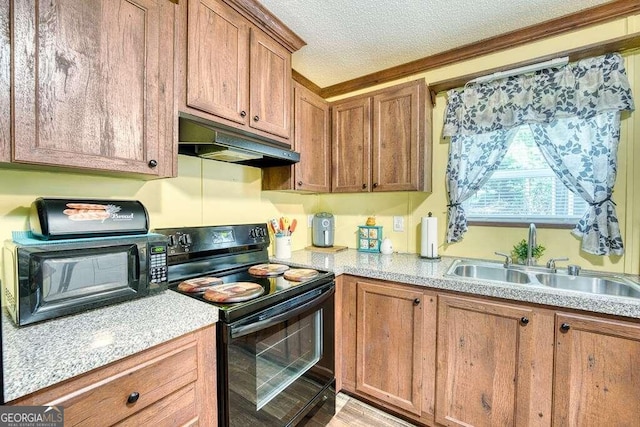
(105, 402)
(177, 409)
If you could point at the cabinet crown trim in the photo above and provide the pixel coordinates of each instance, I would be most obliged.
(268, 22)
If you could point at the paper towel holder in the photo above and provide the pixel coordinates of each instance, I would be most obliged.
(428, 258)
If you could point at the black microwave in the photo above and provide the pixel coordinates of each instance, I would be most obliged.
(47, 280)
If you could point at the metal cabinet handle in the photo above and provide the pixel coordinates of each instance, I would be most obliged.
(133, 397)
(375, 185)
(256, 118)
(524, 321)
(416, 301)
(364, 186)
(153, 163)
(565, 327)
(299, 182)
(243, 113)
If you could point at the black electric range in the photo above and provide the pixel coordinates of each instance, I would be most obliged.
(227, 252)
(275, 353)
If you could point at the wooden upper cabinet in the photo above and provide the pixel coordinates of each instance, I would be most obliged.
(218, 58)
(312, 138)
(398, 130)
(596, 379)
(234, 66)
(351, 145)
(494, 364)
(379, 140)
(270, 94)
(93, 85)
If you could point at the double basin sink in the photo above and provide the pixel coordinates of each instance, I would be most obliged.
(593, 283)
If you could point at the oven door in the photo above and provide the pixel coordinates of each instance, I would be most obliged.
(277, 366)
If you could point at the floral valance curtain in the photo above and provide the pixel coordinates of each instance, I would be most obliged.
(574, 114)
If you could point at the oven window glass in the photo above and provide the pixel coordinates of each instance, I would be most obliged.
(79, 276)
(284, 354)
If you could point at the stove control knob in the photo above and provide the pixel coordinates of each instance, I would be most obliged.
(262, 232)
(184, 239)
(172, 240)
(252, 233)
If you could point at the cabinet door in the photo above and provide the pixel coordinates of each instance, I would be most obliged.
(596, 379)
(398, 125)
(312, 139)
(493, 364)
(86, 80)
(217, 60)
(351, 146)
(270, 84)
(390, 345)
(346, 318)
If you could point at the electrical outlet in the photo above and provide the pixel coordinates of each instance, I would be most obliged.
(309, 221)
(398, 223)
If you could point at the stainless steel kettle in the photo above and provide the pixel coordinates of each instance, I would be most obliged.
(323, 230)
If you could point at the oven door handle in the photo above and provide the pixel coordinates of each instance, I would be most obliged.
(242, 330)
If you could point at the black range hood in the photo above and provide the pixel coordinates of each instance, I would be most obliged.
(209, 140)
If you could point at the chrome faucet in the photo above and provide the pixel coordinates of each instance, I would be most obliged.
(531, 245)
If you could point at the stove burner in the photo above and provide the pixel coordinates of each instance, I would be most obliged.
(261, 270)
(199, 284)
(300, 274)
(234, 292)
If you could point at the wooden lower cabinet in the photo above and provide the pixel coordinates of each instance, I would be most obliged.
(175, 383)
(596, 380)
(387, 347)
(457, 360)
(494, 363)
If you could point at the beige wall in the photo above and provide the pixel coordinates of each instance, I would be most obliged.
(482, 242)
(209, 192)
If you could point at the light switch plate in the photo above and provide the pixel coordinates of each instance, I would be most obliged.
(309, 221)
(398, 223)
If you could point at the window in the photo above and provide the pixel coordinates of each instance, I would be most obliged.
(524, 189)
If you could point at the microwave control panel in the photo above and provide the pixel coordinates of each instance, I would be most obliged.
(158, 263)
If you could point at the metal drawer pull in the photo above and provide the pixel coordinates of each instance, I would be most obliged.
(133, 397)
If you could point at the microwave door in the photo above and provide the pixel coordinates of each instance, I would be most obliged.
(67, 271)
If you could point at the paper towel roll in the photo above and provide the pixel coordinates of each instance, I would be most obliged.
(429, 237)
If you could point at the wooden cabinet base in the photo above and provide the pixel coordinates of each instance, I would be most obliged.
(168, 385)
(385, 332)
(483, 361)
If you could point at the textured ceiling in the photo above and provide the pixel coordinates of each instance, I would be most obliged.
(351, 38)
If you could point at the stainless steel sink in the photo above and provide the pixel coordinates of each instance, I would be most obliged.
(498, 273)
(591, 284)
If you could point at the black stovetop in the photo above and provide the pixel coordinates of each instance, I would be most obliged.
(276, 289)
(227, 252)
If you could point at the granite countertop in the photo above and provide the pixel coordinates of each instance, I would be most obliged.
(47, 353)
(40, 355)
(411, 269)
